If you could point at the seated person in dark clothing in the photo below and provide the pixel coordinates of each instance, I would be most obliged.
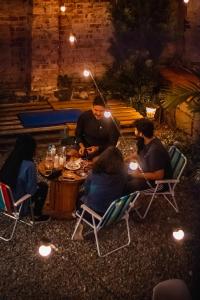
(152, 157)
(105, 183)
(19, 172)
(94, 132)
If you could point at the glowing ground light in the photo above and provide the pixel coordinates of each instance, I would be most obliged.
(45, 250)
(72, 38)
(62, 8)
(86, 73)
(107, 114)
(178, 234)
(150, 112)
(133, 165)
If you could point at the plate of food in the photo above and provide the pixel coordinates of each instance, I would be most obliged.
(72, 165)
(68, 175)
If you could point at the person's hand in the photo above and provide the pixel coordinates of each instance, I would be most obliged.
(92, 149)
(82, 150)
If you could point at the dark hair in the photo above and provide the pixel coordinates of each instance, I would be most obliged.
(110, 161)
(99, 101)
(145, 126)
(24, 149)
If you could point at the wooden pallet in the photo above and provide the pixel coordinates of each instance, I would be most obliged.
(11, 126)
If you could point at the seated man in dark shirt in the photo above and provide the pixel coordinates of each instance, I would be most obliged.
(94, 132)
(153, 158)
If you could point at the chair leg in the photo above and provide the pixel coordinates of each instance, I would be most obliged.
(123, 246)
(147, 209)
(174, 205)
(77, 224)
(12, 232)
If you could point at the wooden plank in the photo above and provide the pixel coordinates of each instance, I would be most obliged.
(24, 104)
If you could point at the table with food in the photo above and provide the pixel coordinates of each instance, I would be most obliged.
(66, 171)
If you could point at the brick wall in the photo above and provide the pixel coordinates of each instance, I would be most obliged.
(192, 34)
(14, 44)
(34, 46)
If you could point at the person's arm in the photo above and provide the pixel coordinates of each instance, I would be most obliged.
(31, 179)
(79, 134)
(156, 175)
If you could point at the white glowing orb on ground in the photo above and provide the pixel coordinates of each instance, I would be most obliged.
(133, 165)
(72, 38)
(107, 114)
(86, 73)
(62, 8)
(45, 250)
(178, 234)
(186, 1)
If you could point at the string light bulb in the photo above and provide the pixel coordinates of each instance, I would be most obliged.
(178, 234)
(186, 1)
(72, 38)
(86, 73)
(45, 250)
(107, 114)
(133, 165)
(63, 8)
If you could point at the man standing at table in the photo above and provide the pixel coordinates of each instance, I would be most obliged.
(94, 132)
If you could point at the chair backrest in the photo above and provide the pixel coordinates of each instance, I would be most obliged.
(6, 198)
(116, 210)
(178, 161)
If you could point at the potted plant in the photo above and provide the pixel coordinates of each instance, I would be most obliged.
(64, 88)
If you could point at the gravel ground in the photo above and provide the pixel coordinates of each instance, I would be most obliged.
(76, 272)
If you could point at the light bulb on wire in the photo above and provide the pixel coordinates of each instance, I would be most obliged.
(86, 73)
(107, 114)
(186, 1)
(63, 8)
(72, 38)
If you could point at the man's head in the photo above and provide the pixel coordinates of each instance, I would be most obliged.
(98, 108)
(144, 128)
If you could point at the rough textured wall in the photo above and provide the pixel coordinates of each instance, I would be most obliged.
(52, 53)
(192, 34)
(14, 44)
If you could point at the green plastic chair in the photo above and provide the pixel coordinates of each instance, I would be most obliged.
(117, 211)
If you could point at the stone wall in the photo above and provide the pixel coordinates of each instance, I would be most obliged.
(34, 46)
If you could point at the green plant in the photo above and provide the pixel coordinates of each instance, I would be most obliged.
(190, 94)
(140, 28)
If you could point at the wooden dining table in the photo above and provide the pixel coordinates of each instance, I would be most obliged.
(63, 190)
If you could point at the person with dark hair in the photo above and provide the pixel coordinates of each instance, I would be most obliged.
(153, 158)
(105, 183)
(94, 132)
(20, 174)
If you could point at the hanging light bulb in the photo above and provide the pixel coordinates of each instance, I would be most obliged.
(107, 114)
(186, 1)
(86, 73)
(63, 8)
(72, 38)
(133, 165)
(178, 234)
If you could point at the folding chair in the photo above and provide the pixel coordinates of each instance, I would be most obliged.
(166, 187)
(117, 211)
(12, 209)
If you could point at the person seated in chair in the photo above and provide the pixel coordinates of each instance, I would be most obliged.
(104, 184)
(19, 172)
(152, 157)
(94, 132)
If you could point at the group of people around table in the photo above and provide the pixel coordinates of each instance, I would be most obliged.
(96, 139)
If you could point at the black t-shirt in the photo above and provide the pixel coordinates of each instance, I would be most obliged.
(93, 132)
(154, 157)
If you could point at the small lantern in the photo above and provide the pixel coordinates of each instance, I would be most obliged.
(150, 112)
(46, 247)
